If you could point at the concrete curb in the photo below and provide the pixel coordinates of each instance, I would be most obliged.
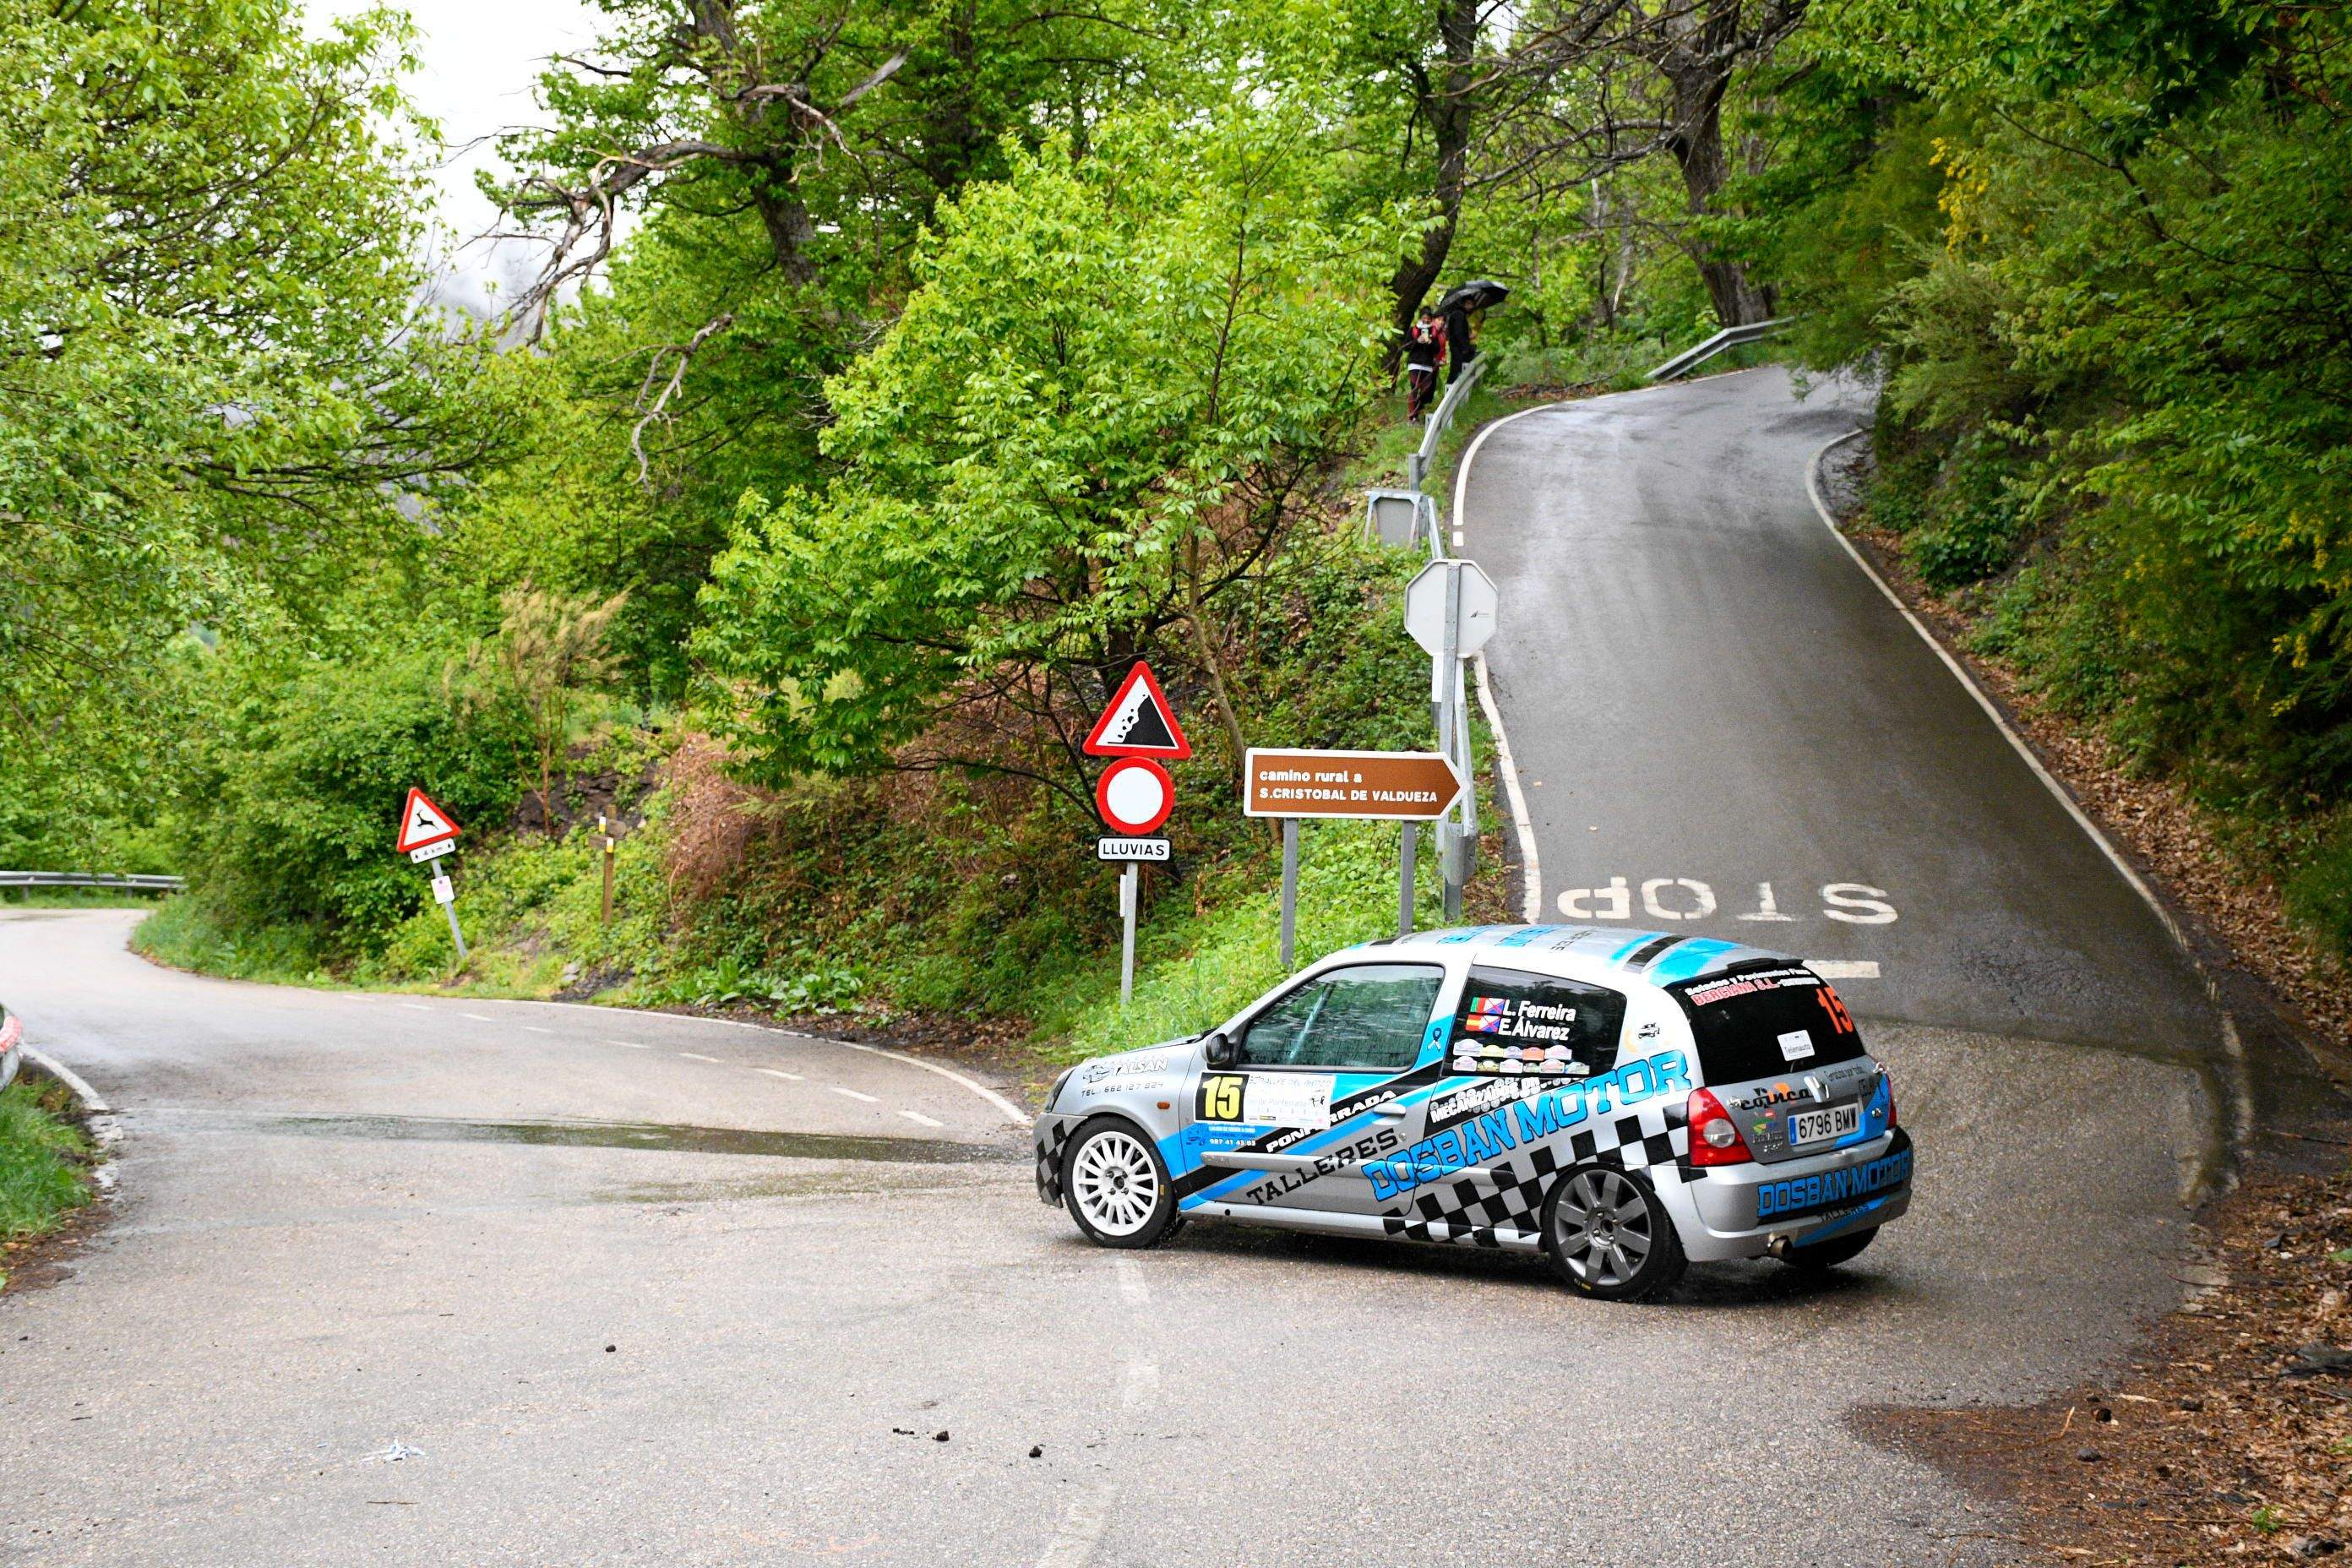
(92, 1102)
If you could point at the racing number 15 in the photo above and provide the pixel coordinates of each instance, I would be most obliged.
(1839, 1020)
(1220, 1098)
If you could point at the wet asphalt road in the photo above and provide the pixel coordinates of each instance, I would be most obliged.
(352, 1222)
(1721, 725)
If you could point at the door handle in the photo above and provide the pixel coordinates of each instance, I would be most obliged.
(1391, 1111)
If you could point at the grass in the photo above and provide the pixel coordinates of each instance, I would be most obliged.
(1195, 972)
(42, 1160)
(185, 934)
(74, 899)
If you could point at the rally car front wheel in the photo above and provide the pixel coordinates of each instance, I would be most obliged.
(1610, 1236)
(1117, 1188)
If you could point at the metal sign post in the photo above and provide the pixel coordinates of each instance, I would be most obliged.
(1128, 881)
(445, 893)
(1137, 729)
(1410, 788)
(1289, 890)
(427, 833)
(1408, 851)
(1450, 608)
(1449, 660)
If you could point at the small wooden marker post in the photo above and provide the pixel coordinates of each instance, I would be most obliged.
(604, 830)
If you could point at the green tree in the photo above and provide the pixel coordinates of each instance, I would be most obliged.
(215, 382)
(1099, 415)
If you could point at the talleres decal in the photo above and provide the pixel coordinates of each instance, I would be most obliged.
(1330, 1162)
(1486, 1137)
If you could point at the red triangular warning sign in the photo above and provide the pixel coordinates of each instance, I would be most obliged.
(423, 822)
(1140, 722)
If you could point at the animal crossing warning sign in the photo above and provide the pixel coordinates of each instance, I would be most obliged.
(1139, 721)
(423, 824)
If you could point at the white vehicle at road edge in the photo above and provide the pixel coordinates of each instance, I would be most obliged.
(1626, 1102)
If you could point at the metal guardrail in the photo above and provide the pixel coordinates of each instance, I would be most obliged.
(1416, 468)
(1690, 359)
(125, 882)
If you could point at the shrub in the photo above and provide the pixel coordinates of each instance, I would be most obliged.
(291, 814)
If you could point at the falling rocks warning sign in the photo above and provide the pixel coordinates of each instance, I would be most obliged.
(1138, 723)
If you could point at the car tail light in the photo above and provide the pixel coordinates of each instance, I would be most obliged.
(1890, 1101)
(1714, 1138)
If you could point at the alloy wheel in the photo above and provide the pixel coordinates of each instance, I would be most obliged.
(1115, 1183)
(1602, 1229)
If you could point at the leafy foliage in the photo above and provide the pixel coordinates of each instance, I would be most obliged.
(1092, 425)
(300, 775)
(213, 384)
(2113, 355)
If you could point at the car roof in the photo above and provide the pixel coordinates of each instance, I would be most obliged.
(1599, 955)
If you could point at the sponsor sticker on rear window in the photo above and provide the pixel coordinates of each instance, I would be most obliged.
(1512, 1023)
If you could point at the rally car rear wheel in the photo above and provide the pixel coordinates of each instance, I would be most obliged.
(1610, 1236)
(1117, 1188)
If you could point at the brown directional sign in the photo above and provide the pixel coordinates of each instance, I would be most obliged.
(1396, 786)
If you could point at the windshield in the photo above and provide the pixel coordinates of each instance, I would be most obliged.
(1765, 1021)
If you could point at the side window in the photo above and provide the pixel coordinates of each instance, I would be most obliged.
(1514, 1022)
(1370, 1018)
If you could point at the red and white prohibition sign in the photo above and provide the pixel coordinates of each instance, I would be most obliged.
(1135, 795)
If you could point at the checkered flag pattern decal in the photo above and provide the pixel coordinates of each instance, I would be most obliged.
(1472, 1213)
(1051, 1139)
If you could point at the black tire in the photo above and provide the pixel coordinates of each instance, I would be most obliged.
(1610, 1236)
(1105, 1172)
(1823, 1255)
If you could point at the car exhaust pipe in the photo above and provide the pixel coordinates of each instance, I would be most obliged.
(1779, 1246)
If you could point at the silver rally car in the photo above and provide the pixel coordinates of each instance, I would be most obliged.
(1624, 1101)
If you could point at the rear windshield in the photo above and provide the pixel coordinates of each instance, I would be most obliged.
(1766, 1022)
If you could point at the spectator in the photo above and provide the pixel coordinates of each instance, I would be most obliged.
(1457, 342)
(1424, 346)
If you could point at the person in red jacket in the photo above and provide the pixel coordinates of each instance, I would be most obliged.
(1425, 348)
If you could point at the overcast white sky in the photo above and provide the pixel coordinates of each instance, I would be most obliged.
(479, 59)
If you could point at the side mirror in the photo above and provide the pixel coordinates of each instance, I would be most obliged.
(1218, 1051)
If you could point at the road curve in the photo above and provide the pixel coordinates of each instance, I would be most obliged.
(1720, 724)
(619, 1292)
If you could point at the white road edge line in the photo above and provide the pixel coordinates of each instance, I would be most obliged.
(479, 1017)
(693, 1056)
(779, 1072)
(91, 1100)
(1531, 882)
(1844, 968)
(854, 1094)
(1012, 1113)
(535, 1029)
(633, 1045)
(1131, 1283)
(419, 1005)
(920, 1120)
(2240, 1109)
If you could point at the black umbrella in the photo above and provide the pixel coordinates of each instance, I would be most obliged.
(1475, 295)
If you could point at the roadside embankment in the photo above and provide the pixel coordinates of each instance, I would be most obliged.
(46, 1160)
